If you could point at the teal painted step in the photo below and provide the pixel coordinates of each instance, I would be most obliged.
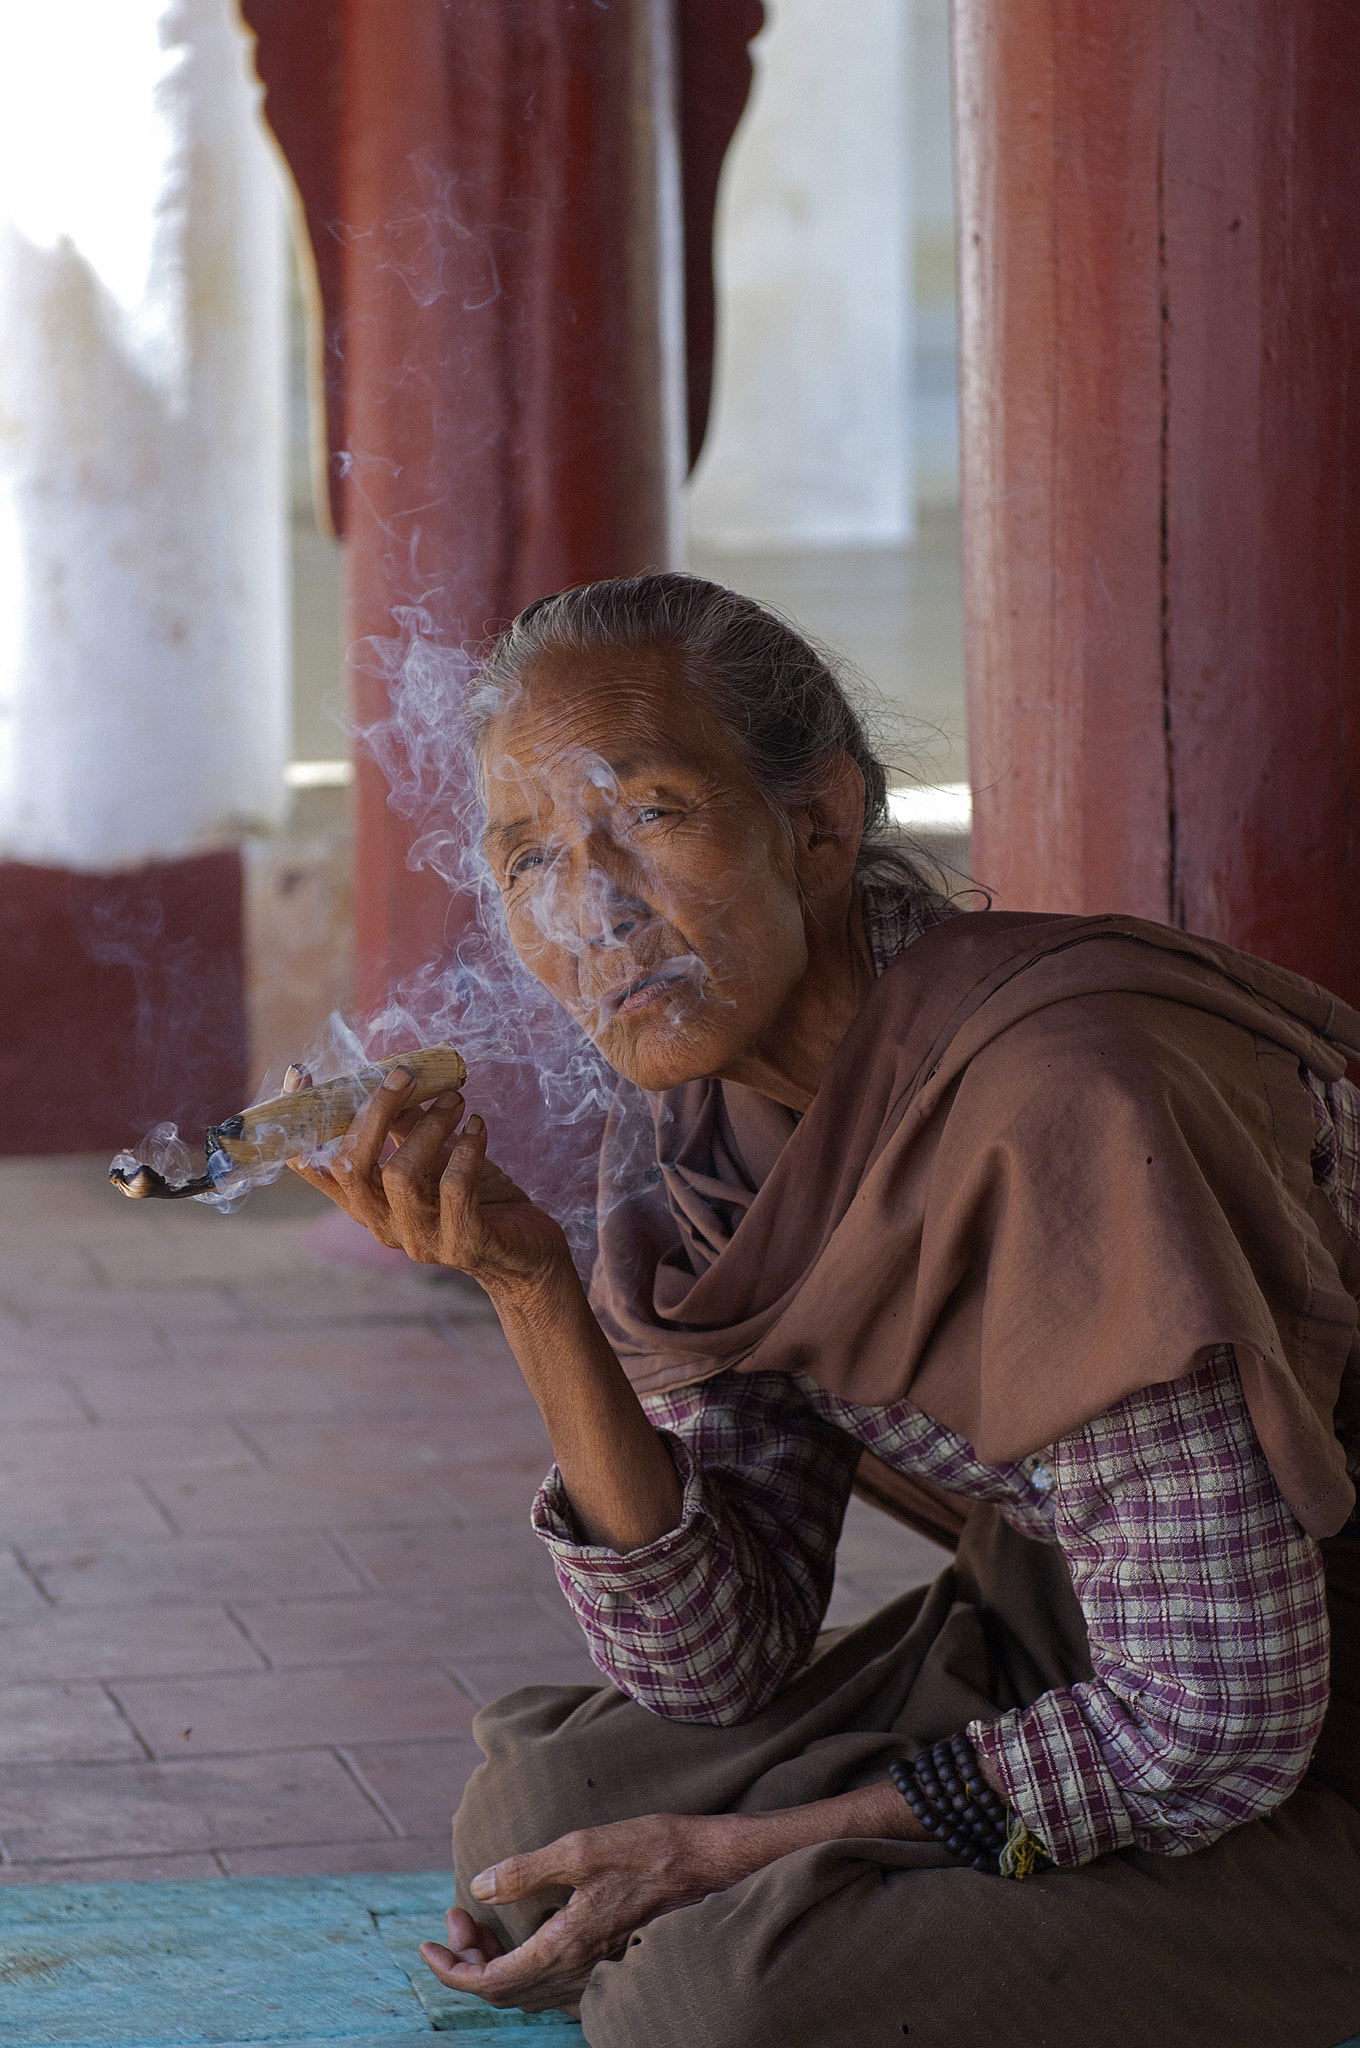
(310, 1962)
(305, 1961)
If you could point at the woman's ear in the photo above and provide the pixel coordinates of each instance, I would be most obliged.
(827, 829)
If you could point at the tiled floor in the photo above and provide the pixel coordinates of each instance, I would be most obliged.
(263, 1540)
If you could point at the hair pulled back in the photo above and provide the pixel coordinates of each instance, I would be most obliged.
(775, 695)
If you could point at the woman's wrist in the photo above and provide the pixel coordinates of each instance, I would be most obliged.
(615, 1469)
(746, 1842)
(539, 1301)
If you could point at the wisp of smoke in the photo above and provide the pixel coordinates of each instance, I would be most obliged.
(533, 1073)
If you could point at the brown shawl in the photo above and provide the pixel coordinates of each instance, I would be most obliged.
(1054, 1160)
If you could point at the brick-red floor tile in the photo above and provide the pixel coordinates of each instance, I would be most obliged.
(129, 1809)
(127, 1317)
(444, 1438)
(490, 1678)
(419, 1783)
(79, 1723)
(32, 1280)
(28, 1349)
(189, 1568)
(20, 1599)
(503, 1490)
(90, 1450)
(233, 1504)
(124, 1642)
(338, 1859)
(420, 1562)
(36, 1397)
(276, 1710)
(64, 1507)
(404, 1351)
(119, 1393)
(376, 1630)
(276, 1501)
(128, 1869)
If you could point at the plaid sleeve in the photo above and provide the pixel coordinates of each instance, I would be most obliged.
(706, 1623)
(1207, 1623)
(1336, 1147)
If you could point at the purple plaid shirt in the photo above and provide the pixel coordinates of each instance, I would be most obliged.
(1203, 1598)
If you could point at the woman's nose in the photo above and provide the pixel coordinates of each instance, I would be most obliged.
(617, 907)
(622, 913)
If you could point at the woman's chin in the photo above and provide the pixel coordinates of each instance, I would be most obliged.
(657, 1052)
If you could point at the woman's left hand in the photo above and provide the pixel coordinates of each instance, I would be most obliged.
(625, 1874)
(621, 1876)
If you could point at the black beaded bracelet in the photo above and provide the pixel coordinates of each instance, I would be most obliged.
(952, 1800)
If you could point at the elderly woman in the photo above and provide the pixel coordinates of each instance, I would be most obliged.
(1047, 1229)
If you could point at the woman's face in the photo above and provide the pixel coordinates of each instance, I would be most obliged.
(646, 883)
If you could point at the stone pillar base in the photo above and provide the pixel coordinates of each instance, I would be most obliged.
(124, 1002)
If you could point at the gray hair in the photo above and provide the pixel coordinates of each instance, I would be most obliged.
(778, 698)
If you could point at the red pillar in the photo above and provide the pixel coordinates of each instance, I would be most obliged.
(1160, 251)
(478, 180)
(124, 1002)
(505, 359)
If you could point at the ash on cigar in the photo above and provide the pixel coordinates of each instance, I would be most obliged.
(257, 1141)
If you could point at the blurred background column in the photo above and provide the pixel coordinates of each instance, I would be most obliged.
(829, 483)
(1161, 345)
(510, 196)
(509, 204)
(142, 572)
(811, 440)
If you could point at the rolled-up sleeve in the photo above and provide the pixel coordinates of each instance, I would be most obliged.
(1206, 1616)
(706, 1623)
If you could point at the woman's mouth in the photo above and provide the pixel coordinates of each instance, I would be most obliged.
(647, 989)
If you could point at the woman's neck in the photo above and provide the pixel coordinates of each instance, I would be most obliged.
(791, 1056)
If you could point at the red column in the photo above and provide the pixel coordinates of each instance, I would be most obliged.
(478, 181)
(504, 355)
(124, 1002)
(1161, 349)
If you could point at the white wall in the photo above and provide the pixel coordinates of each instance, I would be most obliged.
(935, 347)
(810, 439)
(143, 583)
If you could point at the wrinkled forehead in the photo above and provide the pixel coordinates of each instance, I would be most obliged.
(578, 724)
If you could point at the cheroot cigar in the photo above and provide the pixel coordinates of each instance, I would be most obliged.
(290, 1126)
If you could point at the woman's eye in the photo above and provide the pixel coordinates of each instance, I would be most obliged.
(649, 813)
(524, 862)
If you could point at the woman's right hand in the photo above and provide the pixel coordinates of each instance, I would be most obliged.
(437, 1196)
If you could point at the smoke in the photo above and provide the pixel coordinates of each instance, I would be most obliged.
(543, 1087)
(428, 243)
(533, 1072)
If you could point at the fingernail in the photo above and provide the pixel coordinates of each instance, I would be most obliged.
(399, 1080)
(475, 1126)
(450, 1101)
(292, 1080)
(483, 1886)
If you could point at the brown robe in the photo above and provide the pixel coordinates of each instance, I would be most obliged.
(1253, 1942)
(1053, 1161)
